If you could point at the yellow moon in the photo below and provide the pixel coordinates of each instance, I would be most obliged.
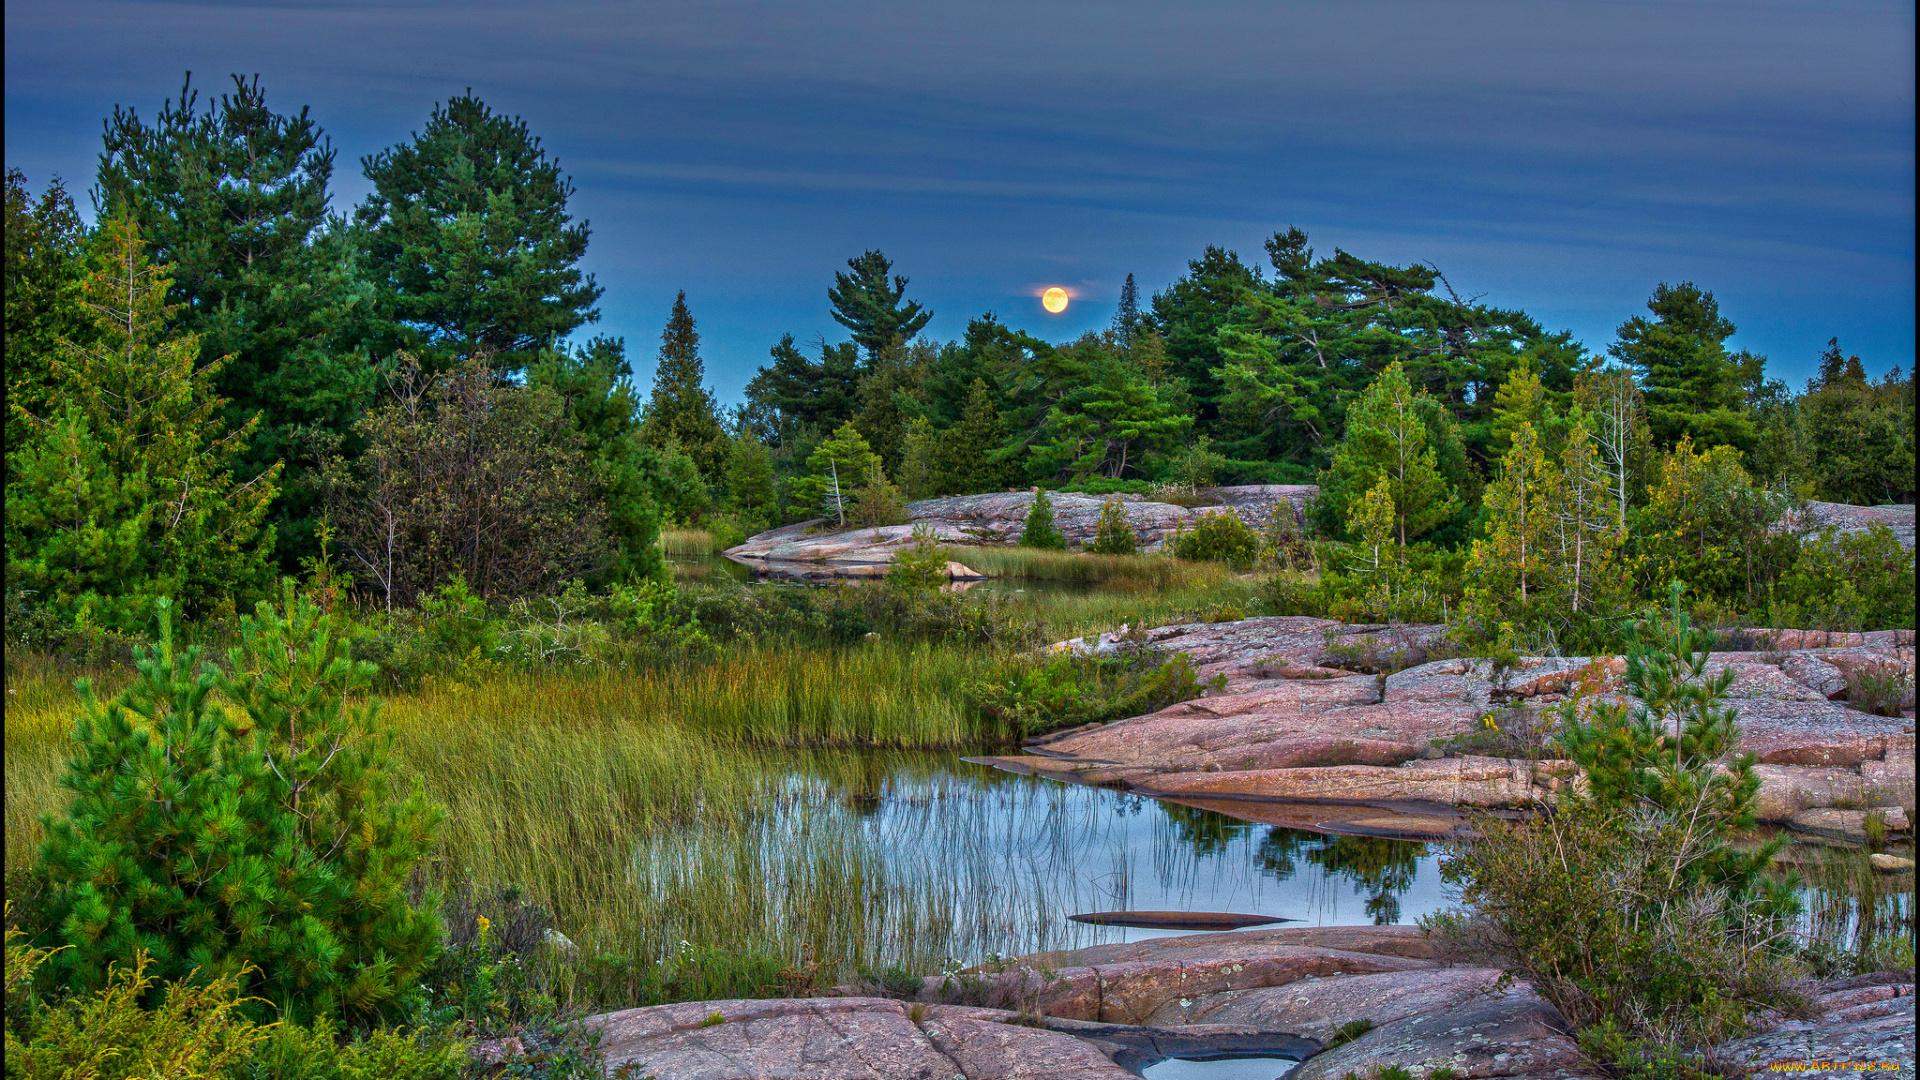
(1054, 300)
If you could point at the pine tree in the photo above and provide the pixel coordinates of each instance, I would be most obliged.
(1509, 569)
(45, 264)
(1040, 531)
(469, 245)
(269, 836)
(1107, 425)
(1126, 315)
(137, 472)
(1691, 386)
(750, 488)
(834, 470)
(920, 452)
(1388, 436)
(1113, 534)
(965, 462)
(867, 304)
(682, 408)
(1521, 399)
(1585, 531)
(233, 199)
(1373, 525)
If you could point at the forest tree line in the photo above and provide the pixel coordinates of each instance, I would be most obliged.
(223, 381)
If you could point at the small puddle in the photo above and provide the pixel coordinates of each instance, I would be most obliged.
(1268, 1068)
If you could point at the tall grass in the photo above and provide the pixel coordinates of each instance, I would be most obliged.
(686, 541)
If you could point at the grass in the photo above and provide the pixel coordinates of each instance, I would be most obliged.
(686, 541)
(1136, 571)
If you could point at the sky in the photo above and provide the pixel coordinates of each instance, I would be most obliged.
(1558, 157)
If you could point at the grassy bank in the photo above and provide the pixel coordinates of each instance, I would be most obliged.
(1121, 571)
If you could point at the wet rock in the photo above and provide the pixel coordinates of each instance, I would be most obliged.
(1461, 781)
(1512, 1033)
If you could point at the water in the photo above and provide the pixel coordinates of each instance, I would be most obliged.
(954, 863)
(1220, 1069)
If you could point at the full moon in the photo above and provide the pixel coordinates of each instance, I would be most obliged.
(1054, 300)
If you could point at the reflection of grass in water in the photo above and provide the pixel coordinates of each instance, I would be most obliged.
(1858, 919)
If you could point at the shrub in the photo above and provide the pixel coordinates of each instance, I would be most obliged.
(922, 566)
(1032, 697)
(264, 837)
(1281, 540)
(1219, 536)
(1040, 531)
(1628, 906)
(877, 502)
(1114, 533)
(1847, 581)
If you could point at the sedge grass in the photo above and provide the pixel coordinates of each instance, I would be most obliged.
(1155, 571)
(683, 542)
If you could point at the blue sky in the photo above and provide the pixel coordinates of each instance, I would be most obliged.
(1560, 157)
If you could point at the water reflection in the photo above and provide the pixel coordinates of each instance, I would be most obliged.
(924, 858)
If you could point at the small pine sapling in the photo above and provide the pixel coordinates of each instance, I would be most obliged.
(1040, 531)
(1114, 534)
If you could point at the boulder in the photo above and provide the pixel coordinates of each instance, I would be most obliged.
(1508, 1033)
(1848, 825)
(1892, 864)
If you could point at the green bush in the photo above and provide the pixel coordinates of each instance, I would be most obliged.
(261, 837)
(922, 566)
(1628, 906)
(1040, 531)
(1846, 581)
(1114, 533)
(1031, 697)
(1219, 536)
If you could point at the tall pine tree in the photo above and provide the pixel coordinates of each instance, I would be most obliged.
(867, 303)
(1391, 436)
(469, 245)
(233, 198)
(1692, 387)
(1126, 315)
(682, 410)
(45, 264)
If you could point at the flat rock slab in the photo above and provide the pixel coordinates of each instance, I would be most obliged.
(839, 1039)
(1509, 1034)
(1177, 920)
(1318, 1008)
(810, 549)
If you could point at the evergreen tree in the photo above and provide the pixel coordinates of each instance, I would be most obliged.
(750, 488)
(1113, 534)
(233, 199)
(1508, 570)
(1585, 531)
(1039, 530)
(45, 264)
(469, 245)
(1691, 386)
(1858, 434)
(866, 303)
(795, 393)
(1521, 399)
(919, 458)
(127, 493)
(633, 478)
(1373, 526)
(1127, 316)
(1106, 426)
(889, 397)
(1387, 436)
(1189, 316)
(965, 461)
(835, 469)
(267, 837)
(682, 408)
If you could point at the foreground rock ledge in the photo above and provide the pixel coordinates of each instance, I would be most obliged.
(1100, 1013)
(1301, 721)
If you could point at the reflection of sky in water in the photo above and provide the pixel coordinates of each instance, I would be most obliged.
(1240, 1069)
(1011, 857)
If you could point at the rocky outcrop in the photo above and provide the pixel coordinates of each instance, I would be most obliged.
(808, 550)
(1849, 519)
(1305, 714)
(1385, 995)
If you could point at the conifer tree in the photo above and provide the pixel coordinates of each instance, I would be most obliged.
(834, 470)
(1040, 531)
(1509, 568)
(1585, 532)
(1373, 527)
(129, 493)
(750, 488)
(1521, 399)
(45, 263)
(682, 408)
(1127, 316)
(866, 303)
(469, 245)
(1388, 436)
(1691, 385)
(1113, 534)
(269, 837)
(919, 455)
(966, 464)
